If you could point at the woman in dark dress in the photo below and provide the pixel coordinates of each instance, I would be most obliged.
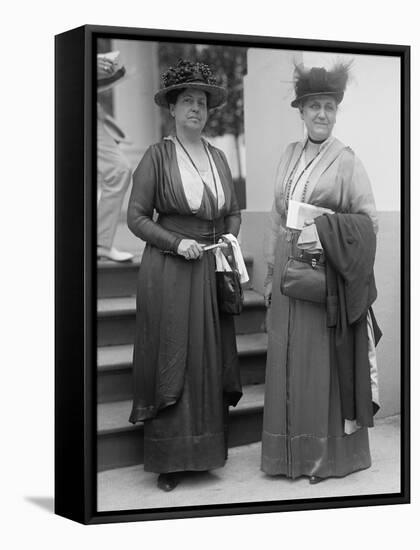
(186, 370)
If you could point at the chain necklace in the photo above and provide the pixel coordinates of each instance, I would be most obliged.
(289, 190)
(214, 204)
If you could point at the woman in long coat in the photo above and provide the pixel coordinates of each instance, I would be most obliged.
(186, 371)
(305, 432)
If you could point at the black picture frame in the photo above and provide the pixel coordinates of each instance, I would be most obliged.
(75, 274)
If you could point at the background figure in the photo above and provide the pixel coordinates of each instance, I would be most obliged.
(114, 173)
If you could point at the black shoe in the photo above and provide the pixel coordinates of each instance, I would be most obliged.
(313, 480)
(168, 482)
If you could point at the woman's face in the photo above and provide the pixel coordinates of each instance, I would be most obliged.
(190, 110)
(319, 113)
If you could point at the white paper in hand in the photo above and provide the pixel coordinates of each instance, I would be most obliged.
(299, 212)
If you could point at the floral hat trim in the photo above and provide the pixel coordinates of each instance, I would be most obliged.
(187, 74)
(186, 71)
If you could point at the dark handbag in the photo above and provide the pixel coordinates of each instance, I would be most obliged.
(230, 296)
(304, 279)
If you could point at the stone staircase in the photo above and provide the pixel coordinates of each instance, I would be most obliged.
(120, 443)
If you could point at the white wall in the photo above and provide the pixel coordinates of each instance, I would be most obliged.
(135, 110)
(270, 122)
(237, 162)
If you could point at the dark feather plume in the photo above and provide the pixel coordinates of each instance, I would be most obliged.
(318, 80)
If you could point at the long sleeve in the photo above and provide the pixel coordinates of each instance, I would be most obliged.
(141, 207)
(271, 235)
(274, 224)
(233, 219)
(360, 195)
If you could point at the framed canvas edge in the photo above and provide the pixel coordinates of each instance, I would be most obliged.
(70, 272)
(248, 40)
(405, 291)
(87, 511)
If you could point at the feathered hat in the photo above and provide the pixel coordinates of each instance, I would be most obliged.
(319, 81)
(191, 75)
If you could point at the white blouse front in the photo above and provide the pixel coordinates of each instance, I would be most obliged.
(191, 181)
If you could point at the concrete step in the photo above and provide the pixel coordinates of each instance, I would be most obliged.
(117, 318)
(117, 279)
(120, 279)
(121, 443)
(114, 382)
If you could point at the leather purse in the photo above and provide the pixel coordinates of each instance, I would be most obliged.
(304, 278)
(230, 296)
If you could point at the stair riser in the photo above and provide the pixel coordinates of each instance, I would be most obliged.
(115, 330)
(120, 450)
(250, 320)
(117, 385)
(253, 369)
(113, 283)
(126, 448)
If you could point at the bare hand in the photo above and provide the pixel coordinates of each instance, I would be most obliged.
(190, 249)
(308, 222)
(268, 290)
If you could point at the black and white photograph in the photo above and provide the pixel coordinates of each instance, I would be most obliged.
(248, 263)
(208, 291)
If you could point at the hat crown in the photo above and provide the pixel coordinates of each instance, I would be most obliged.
(318, 80)
(185, 72)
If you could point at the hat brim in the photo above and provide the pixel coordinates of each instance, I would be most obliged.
(297, 101)
(126, 76)
(217, 95)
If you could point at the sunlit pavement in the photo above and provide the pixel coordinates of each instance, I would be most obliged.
(241, 480)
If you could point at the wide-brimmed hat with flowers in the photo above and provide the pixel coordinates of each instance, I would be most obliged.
(319, 81)
(187, 74)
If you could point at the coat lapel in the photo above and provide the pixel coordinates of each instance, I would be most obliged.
(288, 167)
(283, 174)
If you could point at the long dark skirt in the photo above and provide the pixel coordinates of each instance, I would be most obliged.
(303, 431)
(178, 319)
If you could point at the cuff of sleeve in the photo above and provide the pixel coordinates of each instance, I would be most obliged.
(175, 244)
(309, 239)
